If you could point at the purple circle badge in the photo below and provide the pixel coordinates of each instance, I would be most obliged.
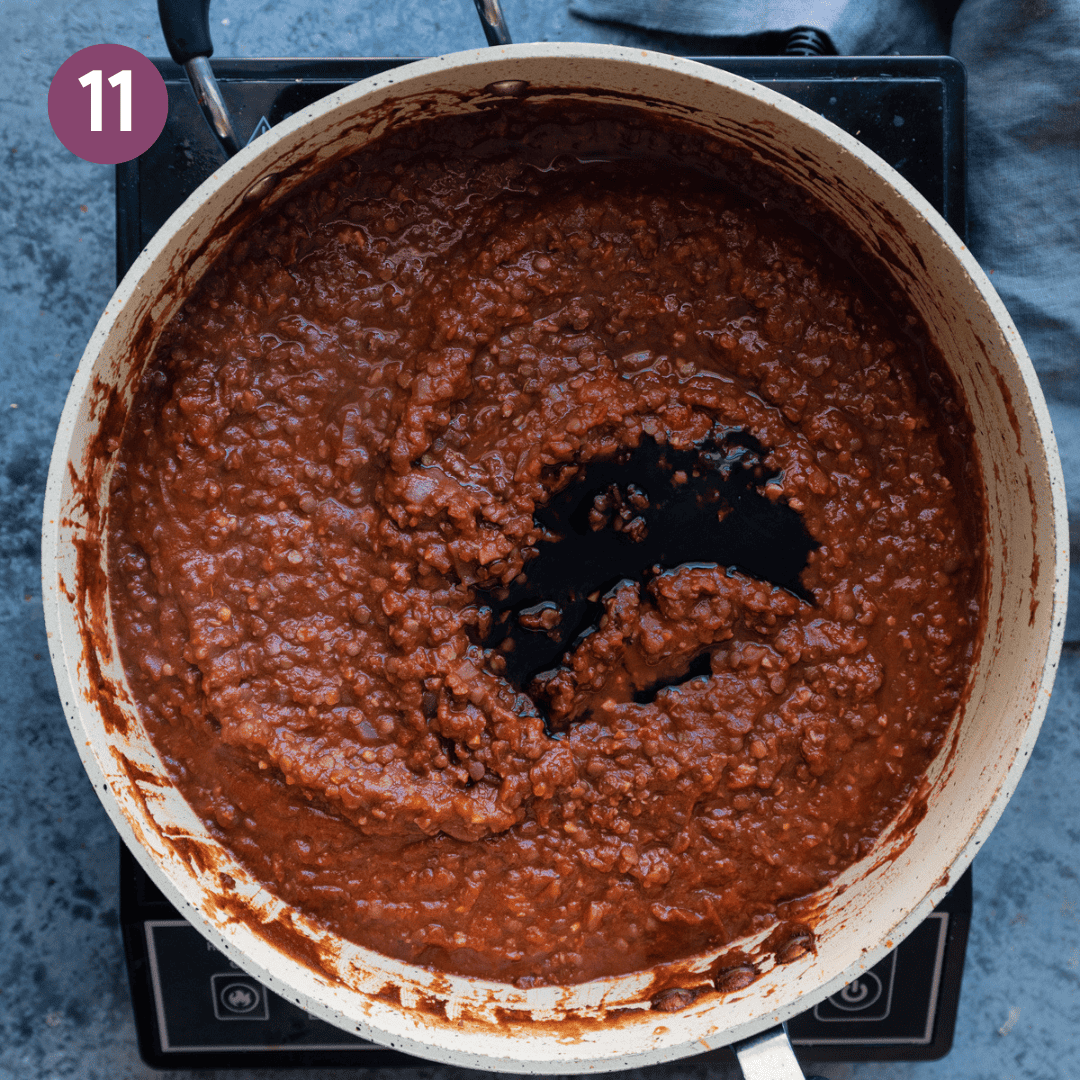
(108, 104)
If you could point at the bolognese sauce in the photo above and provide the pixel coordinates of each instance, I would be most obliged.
(538, 554)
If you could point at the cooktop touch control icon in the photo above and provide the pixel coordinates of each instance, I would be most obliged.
(869, 997)
(860, 994)
(237, 997)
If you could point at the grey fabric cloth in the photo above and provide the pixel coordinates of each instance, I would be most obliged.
(911, 27)
(1023, 65)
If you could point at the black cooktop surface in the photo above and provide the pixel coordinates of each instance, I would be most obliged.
(907, 109)
(193, 1007)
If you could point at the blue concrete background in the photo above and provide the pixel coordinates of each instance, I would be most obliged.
(64, 1008)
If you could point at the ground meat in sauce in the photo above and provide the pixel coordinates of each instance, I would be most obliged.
(337, 453)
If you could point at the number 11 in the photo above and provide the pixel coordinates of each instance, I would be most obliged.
(121, 79)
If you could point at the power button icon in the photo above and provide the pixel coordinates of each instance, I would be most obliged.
(866, 998)
(860, 994)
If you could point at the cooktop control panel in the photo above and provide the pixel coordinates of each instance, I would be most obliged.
(195, 1008)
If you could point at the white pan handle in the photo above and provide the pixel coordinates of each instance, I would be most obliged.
(769, 1056)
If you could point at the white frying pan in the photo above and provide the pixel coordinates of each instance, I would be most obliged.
(606, 1024)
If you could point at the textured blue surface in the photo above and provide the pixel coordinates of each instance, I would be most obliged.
(64, 1008)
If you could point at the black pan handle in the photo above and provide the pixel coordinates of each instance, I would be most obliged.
(186, 26)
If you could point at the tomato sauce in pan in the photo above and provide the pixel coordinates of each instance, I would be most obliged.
(538, 555)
